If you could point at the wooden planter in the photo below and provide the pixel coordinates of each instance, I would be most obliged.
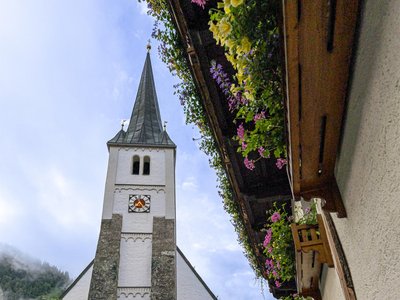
(312, 250)
(318, 45)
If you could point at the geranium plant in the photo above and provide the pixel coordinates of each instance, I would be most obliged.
(278, 242)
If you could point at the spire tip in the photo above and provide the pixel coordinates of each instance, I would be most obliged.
(148, 46)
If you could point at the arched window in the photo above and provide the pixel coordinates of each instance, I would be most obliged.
(146, 166)
(136, 165)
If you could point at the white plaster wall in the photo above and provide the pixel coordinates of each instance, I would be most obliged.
(124, 166)
(80, 291)
(135, 261)
(188, 285)
(139, 222)
(133, 293)
(368, 169)
(330, 285)
(110, 183)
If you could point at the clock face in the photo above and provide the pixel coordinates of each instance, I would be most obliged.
(139, 203)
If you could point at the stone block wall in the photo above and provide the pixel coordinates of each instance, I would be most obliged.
(163, 262)
(104, 283)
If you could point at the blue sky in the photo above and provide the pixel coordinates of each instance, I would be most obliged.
(69, 72)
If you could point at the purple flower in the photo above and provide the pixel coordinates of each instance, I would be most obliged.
(280, 162)
(269, 250)
(249, 163)
(259, 116)
(219, 75)
(244, 146)
(274, 273)
(240, 131)
(277, 284)
(307, 210)
(200, 3)
(261, 151)
(275, 217)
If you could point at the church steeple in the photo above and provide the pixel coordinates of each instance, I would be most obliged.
(145, 125)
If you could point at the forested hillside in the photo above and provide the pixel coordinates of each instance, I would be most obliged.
(22, 277)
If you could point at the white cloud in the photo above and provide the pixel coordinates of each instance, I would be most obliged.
(190, 184)
(9, 209)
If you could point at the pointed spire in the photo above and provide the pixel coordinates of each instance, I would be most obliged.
(145, 123)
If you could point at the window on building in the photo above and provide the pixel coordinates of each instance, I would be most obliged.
(136, 165)
(146, 166)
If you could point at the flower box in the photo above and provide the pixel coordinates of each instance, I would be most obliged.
(312, 250)
(318, 49)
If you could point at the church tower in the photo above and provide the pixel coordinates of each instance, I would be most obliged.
(136, 249)
(137, 256)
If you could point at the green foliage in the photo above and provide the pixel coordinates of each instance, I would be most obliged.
(33, 280)
(278, 243)
(249, 33)
(172, 52)
(279, 247)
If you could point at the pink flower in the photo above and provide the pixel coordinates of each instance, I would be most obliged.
(261, 151)
(277, 284)
(274, 273)
(249, 163)
(307, 210)
(244, 146)
(259, 116)
(268, 237)
(267, 262)
(280, 162)
(275, 217)
(270, 250)
(200, 3)
(240, 131)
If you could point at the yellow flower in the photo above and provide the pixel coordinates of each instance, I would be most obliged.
(236, 3)
(227, 6)
(213, 29)
(246, 45)
(224, 27)
(229, 43)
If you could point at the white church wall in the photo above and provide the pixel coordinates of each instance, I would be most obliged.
(135, 257)
(170, 212)
(139, 222)
(133, 293)
(80, 290)
(189, 285)
(157, 166)
(110, 181)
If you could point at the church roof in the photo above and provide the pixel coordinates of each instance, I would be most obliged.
(145, 124)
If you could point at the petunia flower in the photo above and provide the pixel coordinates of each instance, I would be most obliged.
(280, 162)
(275, 217)
(200, 3)
(249, 163)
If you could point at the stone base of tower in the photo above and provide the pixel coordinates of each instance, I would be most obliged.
(163, 263)
(189, 285)
(104, 282)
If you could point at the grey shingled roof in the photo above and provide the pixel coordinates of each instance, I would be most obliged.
(145, 124)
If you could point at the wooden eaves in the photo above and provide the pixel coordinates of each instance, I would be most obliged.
(319, 45)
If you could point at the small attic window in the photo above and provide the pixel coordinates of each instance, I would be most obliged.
(146, 166)
(136, 165)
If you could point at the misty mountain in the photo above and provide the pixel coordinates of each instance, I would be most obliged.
(23, 278)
